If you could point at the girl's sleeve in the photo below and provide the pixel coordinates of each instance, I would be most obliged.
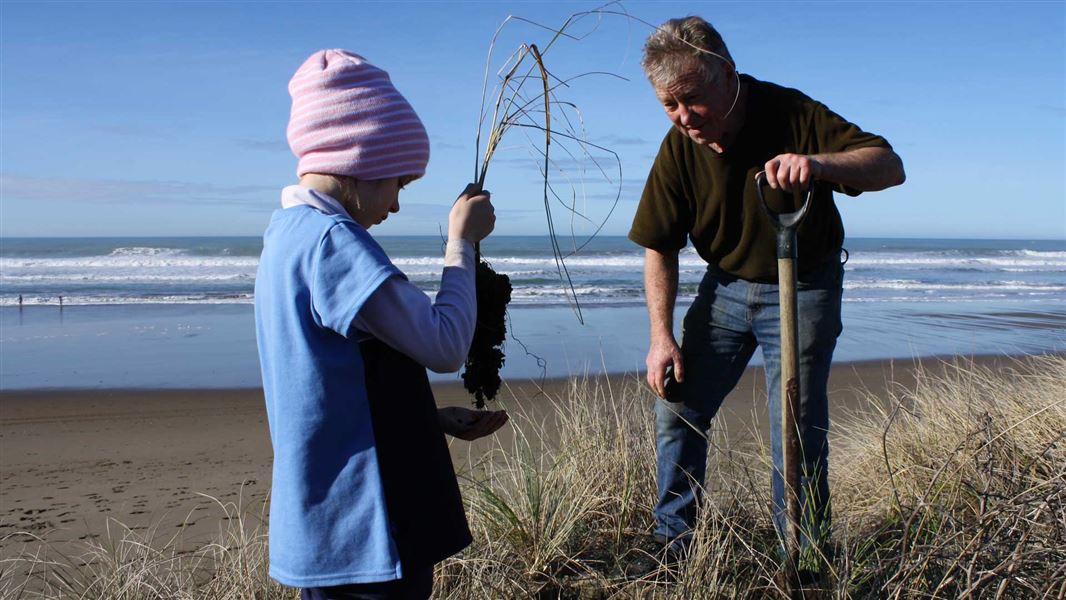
(435, 334)
(347, 268)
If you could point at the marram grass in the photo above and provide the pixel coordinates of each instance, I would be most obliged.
(950, 487)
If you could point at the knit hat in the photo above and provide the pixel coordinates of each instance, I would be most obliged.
(348, 119)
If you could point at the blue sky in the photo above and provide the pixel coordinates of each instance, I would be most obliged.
(169, 119)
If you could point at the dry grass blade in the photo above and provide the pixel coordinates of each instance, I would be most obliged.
(541, 110)
(979, 495)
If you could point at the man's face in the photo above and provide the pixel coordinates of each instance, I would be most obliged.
(698, 108)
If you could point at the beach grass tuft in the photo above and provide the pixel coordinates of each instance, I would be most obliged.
(950, 486)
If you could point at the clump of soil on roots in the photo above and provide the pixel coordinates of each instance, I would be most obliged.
(482, 375)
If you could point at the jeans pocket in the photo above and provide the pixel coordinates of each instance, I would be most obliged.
(698, 316)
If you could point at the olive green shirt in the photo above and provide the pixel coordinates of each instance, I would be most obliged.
(695, 193)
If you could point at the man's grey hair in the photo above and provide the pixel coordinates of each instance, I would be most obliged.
(678, 46)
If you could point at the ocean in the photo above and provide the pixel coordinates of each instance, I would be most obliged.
(177, 312)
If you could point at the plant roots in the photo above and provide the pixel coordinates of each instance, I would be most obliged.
(482, 375)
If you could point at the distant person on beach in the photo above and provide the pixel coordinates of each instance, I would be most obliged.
(701, 188)
(364, 499)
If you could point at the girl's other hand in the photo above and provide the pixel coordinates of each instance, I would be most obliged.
(469, 425)
(472, 217)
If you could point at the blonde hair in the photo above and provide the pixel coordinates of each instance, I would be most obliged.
(340, 187)
(678, 46)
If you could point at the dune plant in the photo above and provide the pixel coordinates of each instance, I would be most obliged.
(526, 96)
(949, 486)
(967, 470)
(144, 564)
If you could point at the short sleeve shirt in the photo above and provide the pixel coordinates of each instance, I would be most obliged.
(694, 193)
(328, 519)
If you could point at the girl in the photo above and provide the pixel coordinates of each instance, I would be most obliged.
(364, 499)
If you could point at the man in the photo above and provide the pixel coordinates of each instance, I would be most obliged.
(727, 128)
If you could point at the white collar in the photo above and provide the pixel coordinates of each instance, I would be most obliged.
(296, 195)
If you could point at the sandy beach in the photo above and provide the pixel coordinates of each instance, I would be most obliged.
(76, 462)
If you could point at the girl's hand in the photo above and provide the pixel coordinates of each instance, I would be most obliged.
(472, 216)
(470, 425)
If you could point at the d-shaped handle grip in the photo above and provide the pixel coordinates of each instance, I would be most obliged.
(784, 223)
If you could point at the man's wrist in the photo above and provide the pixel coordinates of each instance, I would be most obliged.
(817, 166)
(662, 335)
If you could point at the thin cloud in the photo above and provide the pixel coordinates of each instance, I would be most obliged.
(631, 190)
(622, 140)
(113, 191)
(125, 130)
(438, 143)
(269, 145)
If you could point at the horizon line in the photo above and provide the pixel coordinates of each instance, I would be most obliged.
(503, 236)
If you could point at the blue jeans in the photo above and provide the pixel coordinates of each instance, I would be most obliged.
(727, 320)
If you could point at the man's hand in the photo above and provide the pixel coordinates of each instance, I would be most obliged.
(863, 169)
(663, 353)
(792, 172)
(660, 291)
(469, 425)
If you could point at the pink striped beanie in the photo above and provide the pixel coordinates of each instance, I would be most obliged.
(348, 119)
